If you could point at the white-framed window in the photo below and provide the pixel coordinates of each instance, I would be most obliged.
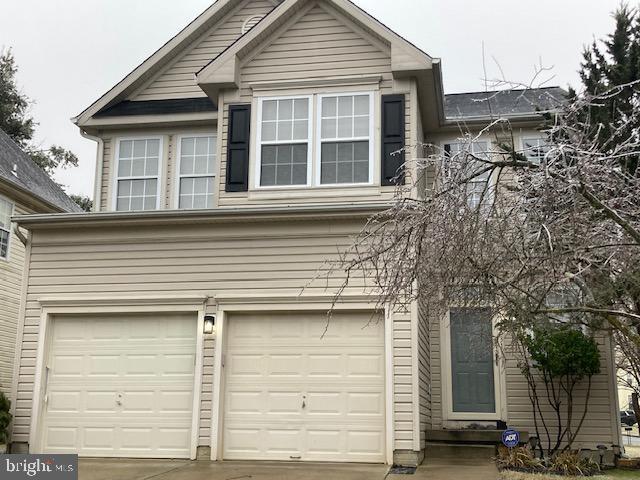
(338, 152)
(478, 187)
(137, 176)
(535, 149)
(197, 166)
(345, 125)
(6, 212)
(284, 142)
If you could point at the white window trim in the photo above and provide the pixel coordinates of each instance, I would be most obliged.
(159, 177)
(259, 143)
(371, 139)
(8, 230)
(491, 180)
(178, 176)
(530, 138)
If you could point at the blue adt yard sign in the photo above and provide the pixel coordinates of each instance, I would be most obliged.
(510, 438)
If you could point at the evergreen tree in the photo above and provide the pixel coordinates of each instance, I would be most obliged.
(612, 63)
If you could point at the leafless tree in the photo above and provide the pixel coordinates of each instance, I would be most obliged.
(548, 233)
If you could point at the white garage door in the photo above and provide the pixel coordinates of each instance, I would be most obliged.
(291, 394)
(120, 386)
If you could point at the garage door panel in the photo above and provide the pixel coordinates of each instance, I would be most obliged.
(292, 393)
(360, 366)
(68, 365)
(245, 365)
(290, 365)
(126, 391)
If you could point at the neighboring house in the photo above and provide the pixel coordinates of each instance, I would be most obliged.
(232, 164)
(24, 189)
(625, 391)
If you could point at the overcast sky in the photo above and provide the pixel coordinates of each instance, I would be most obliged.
(72, 51)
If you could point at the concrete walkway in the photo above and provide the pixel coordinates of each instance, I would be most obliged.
(458, 468)
(433, 469)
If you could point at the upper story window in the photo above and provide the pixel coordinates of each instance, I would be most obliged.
(196, 171)
(6, 211)
(339, 152)
(285, 136)
(138, 174)
(477, 188)
(346, 138)
(535, 149)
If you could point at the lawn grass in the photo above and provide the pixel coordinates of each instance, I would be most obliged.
(623, 474)
(608, 475)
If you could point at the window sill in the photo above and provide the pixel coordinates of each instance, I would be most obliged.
(316, 192)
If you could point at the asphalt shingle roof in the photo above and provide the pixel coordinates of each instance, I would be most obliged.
(30, 177)
(461, 106)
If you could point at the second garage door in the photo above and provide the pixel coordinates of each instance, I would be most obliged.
(293, 394)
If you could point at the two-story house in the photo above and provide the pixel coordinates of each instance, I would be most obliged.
(24, 189)
(186, 317)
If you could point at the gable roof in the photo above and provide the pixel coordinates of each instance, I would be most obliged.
(503, 103)
(160, 58)
(30, 178)
(222, 70)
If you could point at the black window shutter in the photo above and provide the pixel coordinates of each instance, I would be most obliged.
(393, 139)
(238, 148)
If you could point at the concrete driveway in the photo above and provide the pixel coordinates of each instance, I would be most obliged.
(435, 469)
(184, 470)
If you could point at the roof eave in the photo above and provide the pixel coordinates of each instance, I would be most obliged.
(209, 15)
(486, 119)
(221, 215)
(28, 196)
(147, 120)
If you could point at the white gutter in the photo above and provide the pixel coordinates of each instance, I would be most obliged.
(225, 214)
(98, 175)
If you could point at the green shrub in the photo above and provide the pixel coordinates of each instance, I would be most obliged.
(573, 464)
(5, 418)
(519, 458)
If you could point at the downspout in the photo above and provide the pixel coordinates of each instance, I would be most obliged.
(20, 235)
(20, 326)
(97, 189)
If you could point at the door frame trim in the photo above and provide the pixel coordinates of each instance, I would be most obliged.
(100, 306)
(499, 375)
(248, 304)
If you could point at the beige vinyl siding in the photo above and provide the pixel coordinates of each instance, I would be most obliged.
(177, 79)
(11, 274)
(424, 370)
(336, 41)
(317, 43)
(402, 382)
(599, 427)
(435, 376)
(234, 258)
(321, 43)
(206, 395)
(107, 162)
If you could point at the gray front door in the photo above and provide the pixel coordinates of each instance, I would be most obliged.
(472, 361)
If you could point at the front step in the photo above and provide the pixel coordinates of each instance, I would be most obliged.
(470, 437)
(451, 452)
